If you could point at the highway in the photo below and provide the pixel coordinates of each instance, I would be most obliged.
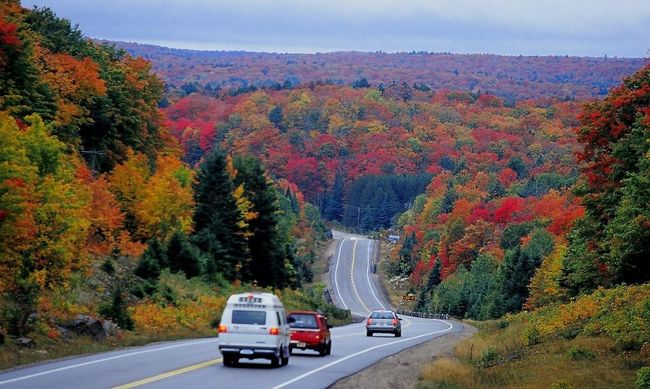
(197, 363)
(355, 286)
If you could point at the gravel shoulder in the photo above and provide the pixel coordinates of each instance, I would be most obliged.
(402, 370)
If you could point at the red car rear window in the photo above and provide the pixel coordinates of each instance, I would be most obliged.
(303, 321)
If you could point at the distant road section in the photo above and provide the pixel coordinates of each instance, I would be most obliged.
(355, 287)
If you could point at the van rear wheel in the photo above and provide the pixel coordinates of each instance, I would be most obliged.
(284, 359)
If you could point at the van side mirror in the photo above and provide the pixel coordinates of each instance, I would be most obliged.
(329, 326)
(291, 319)
(399, 318)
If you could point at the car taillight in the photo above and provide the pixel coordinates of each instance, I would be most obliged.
(394, 322)
(222, 328)
(369, 321)
(274, 331)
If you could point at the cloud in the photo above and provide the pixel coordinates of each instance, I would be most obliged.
(578, 27)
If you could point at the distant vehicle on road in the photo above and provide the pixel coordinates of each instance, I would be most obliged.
(254, 325)
(310, 331)
(383, 321)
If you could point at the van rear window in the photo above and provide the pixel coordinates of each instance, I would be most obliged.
(248, 317)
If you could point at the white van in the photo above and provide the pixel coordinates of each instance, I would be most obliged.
(254, 325)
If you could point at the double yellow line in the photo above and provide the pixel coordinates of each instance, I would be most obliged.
(170, 374)
(354, 286)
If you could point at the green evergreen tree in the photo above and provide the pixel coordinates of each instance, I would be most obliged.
(148, 268)
(333, 205)
(266, 247)
(217, 232)
(480, 287)
(518, 269)
(423, 300)
(407, 260)
(183, 256)
(117, 311)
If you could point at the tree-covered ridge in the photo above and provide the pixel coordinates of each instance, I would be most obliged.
(90, 178)
(510, 77)
(342, 145)
(499, 255)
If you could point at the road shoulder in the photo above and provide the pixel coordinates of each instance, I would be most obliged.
(402, 370)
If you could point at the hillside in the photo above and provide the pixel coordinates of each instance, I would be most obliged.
(363, 155)
(511, 78)
(103, 226)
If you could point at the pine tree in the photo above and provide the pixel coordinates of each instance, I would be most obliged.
(406, 258)
(518, 269)
(217, 231)
(183, 256)
(333, 208)
(265, 246)
(423, 301)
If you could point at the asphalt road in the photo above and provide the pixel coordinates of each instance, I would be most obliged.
(197, 363)
(355, 286)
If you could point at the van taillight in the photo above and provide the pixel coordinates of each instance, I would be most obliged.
(222, 328)
(369, 321)
(274, 331)
(394, 322)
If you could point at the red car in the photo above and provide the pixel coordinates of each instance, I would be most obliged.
(310, 331)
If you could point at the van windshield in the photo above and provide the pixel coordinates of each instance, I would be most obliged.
(248, 317)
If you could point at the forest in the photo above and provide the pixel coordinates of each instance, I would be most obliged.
(510, 77)
(145, 192)
(99, 213)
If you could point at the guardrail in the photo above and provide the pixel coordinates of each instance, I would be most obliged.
(423, 315)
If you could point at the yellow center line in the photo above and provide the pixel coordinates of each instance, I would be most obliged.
(170, 374)
(354, 287)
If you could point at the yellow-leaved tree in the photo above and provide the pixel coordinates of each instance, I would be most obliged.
(45, 208)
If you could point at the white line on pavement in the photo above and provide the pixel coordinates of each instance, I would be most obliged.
(22, 378)
(282, 385)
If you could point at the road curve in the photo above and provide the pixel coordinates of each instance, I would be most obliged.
(197, 363)
(354, 284)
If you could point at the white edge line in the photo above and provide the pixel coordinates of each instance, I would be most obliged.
(282, 385)
(22, 378)
(336, 271)
(368, 276)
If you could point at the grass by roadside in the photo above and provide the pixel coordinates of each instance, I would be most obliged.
(597, 341)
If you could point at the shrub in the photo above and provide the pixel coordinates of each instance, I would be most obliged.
(532, 336)
(570, 332)
(629, 342)
(577, 353)
(643, 378)
(562, 384)
(502, 324)
(108, 267)
(488, 358)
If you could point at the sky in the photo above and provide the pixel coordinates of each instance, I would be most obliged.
(616, 28)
